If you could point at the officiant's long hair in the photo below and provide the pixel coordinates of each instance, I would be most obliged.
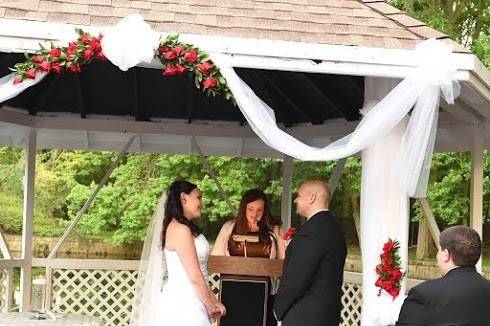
(174, 209)
(248, 197)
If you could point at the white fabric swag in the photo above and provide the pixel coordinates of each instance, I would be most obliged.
(418, 93)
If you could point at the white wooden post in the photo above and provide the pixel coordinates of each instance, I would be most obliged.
(476, 206)
(26, 255)
(287, 184)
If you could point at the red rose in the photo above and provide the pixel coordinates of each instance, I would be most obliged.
(31, 73)
(379, 268)
(170, 55)
(55, 53)
(389, 246)
(384, 256)
(85, 38)
(387, 285)
(180, 69)
(190, 56)
(204, 67)
(289, 233)
(37, 59)
(87, 54)
(396, 274)
(163, 48)
(72, 48)
(100, 56)
(387, 269)
(179, 50)
(56, 67)
(74, 68)
(379, 282)
(389, 262)
(45, 66)
(95, 45)
(209, 82)
(394, 292)
(170, 71)
(17, 80)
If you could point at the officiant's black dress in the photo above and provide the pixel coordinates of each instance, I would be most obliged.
(243, 300)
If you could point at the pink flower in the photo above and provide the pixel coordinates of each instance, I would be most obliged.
(190, 56)
(31, 73)
(170, 55)
(179, 50)
(95, 45)
(45, 66)
(180, 69)
(55, 53)
(100, 56)
(87, 54)
(37, 59)
(209, 82)
(56, 67)
(74, 68)
(72, 48)
(204, 67)
(17, 80)
(170, 71)
(85, 38)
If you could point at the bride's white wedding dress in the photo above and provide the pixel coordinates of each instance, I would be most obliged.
(178, 304)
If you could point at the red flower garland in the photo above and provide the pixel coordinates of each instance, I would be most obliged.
(389, 272)
(178, 58)
(57, 59)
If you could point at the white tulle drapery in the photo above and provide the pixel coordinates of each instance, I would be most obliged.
(384, 212)
(151, 273)
(418, 92)
(130, 42)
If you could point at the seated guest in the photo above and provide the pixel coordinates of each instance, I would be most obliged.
(462, 296)
(251, 234)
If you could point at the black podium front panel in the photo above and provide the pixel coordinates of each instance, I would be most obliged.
(245, 300)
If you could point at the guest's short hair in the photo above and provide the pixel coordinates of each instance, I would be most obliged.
(463, 244)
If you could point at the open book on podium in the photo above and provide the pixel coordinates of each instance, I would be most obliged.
(244, 287)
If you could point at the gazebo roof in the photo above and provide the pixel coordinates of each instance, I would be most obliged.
(306, 58)
(370, 23)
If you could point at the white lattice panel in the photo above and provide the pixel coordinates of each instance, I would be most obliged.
(3, 289)
(351, 304)
(107, 294)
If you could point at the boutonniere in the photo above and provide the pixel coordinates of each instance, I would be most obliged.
(289, 234)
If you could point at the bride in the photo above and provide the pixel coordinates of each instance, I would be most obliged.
(172, 287)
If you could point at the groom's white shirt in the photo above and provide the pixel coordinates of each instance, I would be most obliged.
(318, 211)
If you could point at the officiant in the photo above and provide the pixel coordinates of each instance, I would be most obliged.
(250, 234)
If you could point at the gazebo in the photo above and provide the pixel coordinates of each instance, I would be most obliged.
(315, 63)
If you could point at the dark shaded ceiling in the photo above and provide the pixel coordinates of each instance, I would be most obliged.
(102, 88)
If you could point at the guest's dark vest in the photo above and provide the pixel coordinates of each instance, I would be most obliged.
(250, 244)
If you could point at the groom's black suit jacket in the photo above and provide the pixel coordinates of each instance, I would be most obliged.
(460, 298)
(311, 286)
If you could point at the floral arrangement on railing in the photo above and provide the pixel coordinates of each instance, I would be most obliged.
(178, 58)
(389, 271)
(58, 59)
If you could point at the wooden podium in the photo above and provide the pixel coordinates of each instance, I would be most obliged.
(244, 287)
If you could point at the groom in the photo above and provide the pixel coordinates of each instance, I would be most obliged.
(311, 285)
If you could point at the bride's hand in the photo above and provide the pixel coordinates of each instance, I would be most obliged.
(218, 310)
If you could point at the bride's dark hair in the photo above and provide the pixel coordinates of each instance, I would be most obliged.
(174, 209)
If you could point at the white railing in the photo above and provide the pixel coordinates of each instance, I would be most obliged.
(105, 288)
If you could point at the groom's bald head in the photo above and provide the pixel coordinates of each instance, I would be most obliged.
(313, 195)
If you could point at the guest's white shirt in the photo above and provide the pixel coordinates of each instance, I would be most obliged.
(454, 267)
(318, 211)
